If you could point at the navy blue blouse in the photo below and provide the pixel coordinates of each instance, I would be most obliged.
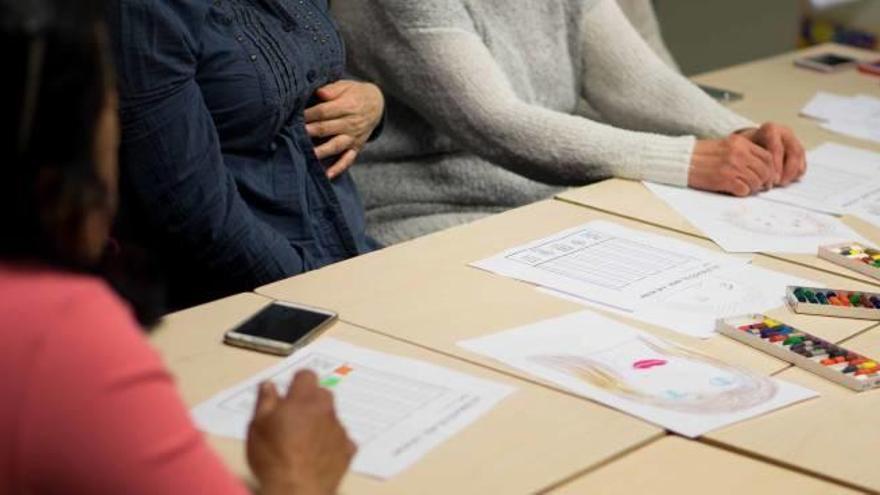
(218, 172)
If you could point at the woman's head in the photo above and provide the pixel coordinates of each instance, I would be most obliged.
(58, 185)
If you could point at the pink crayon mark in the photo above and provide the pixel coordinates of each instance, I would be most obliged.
(646, 364)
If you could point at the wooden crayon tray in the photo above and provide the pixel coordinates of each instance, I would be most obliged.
(808, 352)
(833, 302)
(857, 260)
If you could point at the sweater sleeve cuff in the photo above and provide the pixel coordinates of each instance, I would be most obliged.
(665, 160)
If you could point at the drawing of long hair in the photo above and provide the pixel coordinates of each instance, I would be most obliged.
(751, 389)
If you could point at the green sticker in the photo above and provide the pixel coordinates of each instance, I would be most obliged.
(330, 381)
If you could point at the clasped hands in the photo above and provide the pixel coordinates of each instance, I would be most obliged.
(748, 162)
(743, 164)
(346, 118)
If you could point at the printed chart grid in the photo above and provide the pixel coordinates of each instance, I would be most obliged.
(600, 260)
(368, 401)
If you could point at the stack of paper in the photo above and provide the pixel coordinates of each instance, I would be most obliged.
(394, 409)
(855, 116)
(694, 308)
(756, 225)
(840, 180)
(648, 277)
(632, 371)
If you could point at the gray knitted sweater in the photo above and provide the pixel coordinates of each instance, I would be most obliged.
(486, 106)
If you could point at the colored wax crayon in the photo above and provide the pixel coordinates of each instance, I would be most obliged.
(804, 350)
(854, 256)
(832, 302)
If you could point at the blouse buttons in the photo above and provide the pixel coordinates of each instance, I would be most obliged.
(311, 75)
(253, 58)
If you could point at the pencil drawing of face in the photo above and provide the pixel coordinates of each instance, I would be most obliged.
(783, 221)
(710, 296)
(665, 376)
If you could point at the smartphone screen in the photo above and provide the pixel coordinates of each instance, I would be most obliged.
(283, 323)
(832, 60)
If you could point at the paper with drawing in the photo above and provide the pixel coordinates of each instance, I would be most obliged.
(752, 225)
(693, 309)
(629, 370)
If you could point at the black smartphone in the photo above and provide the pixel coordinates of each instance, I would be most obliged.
(280, 328)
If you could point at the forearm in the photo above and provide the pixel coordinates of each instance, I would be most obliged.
(414, 50)
(484, 115)
(633, 88)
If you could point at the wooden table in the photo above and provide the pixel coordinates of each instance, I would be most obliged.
(836, 435)
(423, 292)
(776, 91)
(675, 465)
(533, 439)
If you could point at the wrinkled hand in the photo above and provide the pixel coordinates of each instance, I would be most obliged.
(347, 116)
(734, 165)
(789, 157)
(296, 444)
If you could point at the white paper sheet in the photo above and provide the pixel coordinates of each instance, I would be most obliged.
(610, 264)
(868, 130)
(629, 370)
(839, 180)
(755, 225)
(855, 116)
(395, 409)
(829, 107)
(693, 309)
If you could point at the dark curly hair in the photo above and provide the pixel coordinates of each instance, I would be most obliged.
(56, 91)
(58, 80)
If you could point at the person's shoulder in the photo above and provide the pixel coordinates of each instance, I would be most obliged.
(75, 321)
(185, 17)
(421, 14)
(91, 302)
(184, 8)
(38, 301)
(46, 290)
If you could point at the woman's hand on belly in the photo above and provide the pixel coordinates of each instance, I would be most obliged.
(347, 116)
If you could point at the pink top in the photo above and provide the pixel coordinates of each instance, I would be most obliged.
(86, 405)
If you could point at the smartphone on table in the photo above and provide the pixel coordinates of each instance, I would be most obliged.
(826, 62)
(280, 328)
